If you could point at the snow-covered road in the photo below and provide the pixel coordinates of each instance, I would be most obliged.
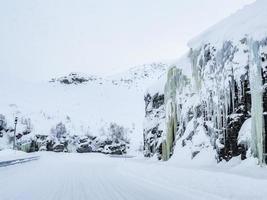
(100, 177)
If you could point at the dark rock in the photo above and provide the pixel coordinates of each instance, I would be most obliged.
(50, 145)
(117, 149)
(194, 154)
(26, 132)
(58, 148)
(84, 148)
(83, 140)
(3, 123)
(158, 100)
(18, 136)
(65, 81)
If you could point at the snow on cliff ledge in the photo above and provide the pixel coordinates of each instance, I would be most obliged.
(249, 21)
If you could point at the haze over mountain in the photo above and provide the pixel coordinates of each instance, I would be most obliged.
(43, 39)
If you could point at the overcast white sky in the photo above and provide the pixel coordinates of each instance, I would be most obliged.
(54, 37)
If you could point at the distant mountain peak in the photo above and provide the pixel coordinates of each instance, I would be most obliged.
(135, 76)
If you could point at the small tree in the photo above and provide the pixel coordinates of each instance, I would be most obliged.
(27, 123)
(117, 132)
(59, 131)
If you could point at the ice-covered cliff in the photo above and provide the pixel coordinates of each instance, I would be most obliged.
(215, 97)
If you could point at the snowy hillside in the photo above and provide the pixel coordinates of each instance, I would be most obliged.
(247, 22)
(215, 97)
(138, 77)
(86, 105)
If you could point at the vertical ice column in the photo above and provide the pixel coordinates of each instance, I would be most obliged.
(257, 125)
(195, 70)
(171, 113)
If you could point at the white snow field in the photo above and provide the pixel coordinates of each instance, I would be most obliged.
(100, 177)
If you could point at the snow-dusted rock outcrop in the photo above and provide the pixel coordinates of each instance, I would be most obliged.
(220, 84)
(153, 124)
(76, 78)
(112, 140)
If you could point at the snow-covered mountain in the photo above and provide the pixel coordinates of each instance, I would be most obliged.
(84, 104)
(215, 97)
(138, 77)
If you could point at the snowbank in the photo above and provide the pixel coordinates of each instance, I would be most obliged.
(9, 154)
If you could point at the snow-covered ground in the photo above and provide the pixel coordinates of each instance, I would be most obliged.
(100, 177)
(8, 154)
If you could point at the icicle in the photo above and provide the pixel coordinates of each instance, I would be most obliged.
(195, 71)
(171, 112)
(233, 91)
(256, 97)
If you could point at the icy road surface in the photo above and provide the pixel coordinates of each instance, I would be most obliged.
(100, 177)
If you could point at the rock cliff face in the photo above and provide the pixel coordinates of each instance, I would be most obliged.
(154, 126)
(208, 109)
(215, 98)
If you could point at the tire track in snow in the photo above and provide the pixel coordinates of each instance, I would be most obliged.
(96, 177)
(176, 190)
